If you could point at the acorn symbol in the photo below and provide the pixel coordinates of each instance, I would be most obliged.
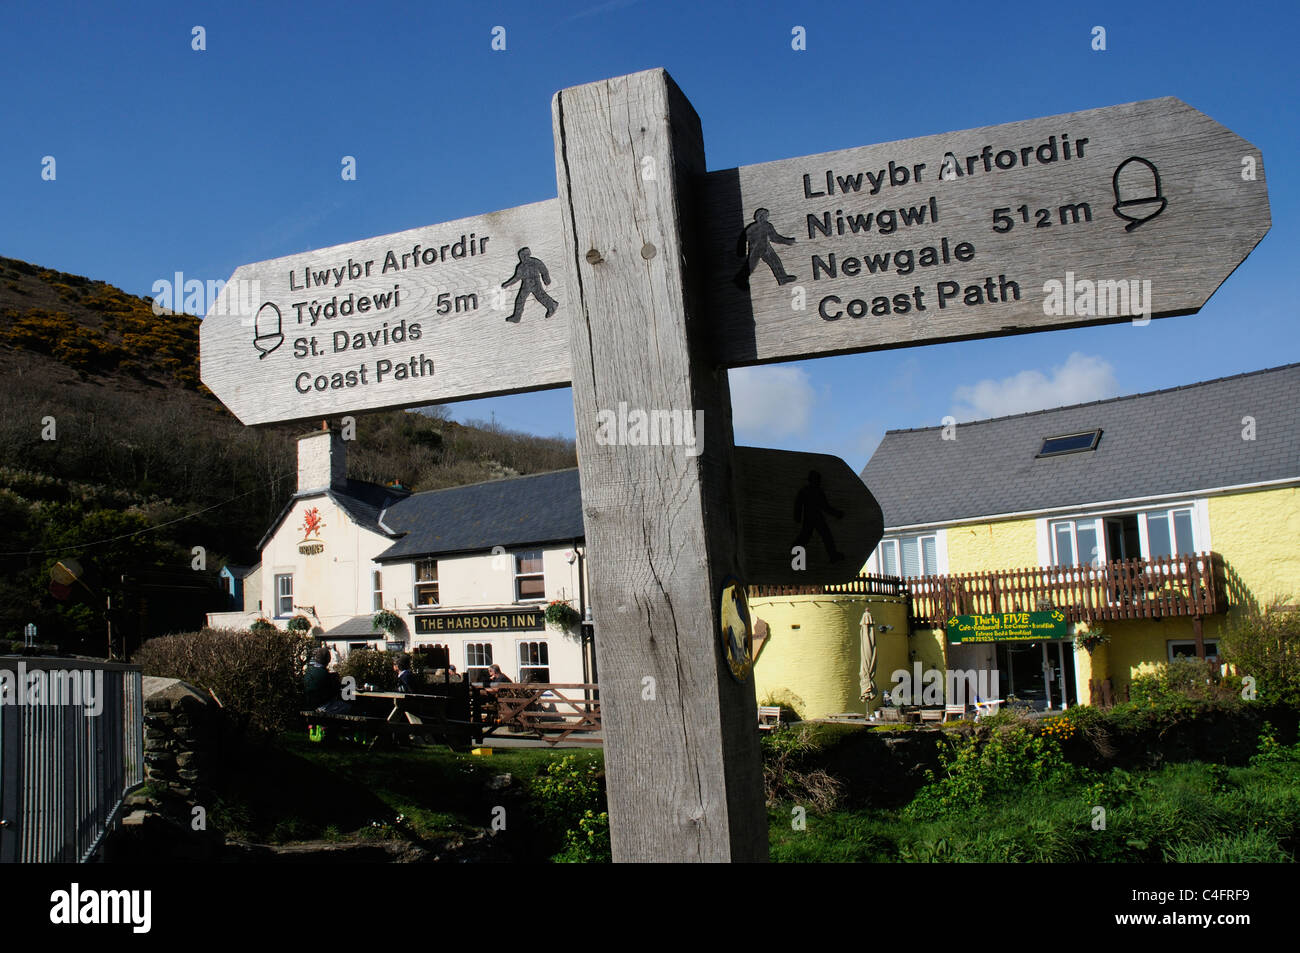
(267, 335)
(1137, 192)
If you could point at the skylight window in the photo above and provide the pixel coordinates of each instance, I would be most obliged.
(1070, 443)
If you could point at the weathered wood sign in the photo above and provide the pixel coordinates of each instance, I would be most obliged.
(647, 278)
(803, 517)
(1133, 211)
(464, 309)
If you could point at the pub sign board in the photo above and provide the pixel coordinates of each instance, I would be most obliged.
(1007, 627)
(1125, 212)
(493, 620)
(468, 308)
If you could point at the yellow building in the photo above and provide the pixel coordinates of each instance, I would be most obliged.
(1153, 518)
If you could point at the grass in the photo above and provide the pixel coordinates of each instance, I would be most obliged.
(1182, 813)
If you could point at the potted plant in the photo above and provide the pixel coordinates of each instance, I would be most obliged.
(262, 625)
(562, 615)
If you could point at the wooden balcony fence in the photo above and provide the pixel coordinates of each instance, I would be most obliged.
(1191, 586)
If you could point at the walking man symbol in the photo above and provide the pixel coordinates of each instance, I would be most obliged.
(759, 236)
(810, 509)
(532, 275)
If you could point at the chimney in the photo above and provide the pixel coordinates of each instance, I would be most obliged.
(322, 461)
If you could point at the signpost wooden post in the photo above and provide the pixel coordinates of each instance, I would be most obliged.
(647, 278)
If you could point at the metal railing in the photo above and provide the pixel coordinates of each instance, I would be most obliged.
(71, 750)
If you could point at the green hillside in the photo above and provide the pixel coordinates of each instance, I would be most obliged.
(144, 464)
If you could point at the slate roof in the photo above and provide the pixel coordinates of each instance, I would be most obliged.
(358, 625)
(544, 507)
(1178, 440)
(237, 572)
(362, 501)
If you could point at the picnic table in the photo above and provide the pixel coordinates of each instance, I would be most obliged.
(388, 716)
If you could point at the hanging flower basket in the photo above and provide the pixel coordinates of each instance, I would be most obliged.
(1091, 639)
(299, 623)
(562, 615)
(387, 621)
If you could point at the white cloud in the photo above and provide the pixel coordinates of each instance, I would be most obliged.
(1079, 380)
(771, 401)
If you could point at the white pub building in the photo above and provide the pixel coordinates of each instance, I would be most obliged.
(471, 568)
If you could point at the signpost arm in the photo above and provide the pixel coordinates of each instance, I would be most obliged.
(681, 745)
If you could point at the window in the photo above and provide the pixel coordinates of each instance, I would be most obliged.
(908, 556)
(1169, 533)
(478, 656)
(534, 662)
(1076, 543)
(284, 595)
(426, 583)
(530, 583)
(379, 590)
(1152, 534)
(1187, 649)
(1070, 443)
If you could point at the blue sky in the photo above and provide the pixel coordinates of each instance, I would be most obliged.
(171, 159)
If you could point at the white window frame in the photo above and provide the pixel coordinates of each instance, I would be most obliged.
(377, 584)
(523, 666)
(471, 666)
(418, 584)
(1168, 512)
(279, 596)
(1099, 554)
(541, 556)
(1199, 508)
(876, 563)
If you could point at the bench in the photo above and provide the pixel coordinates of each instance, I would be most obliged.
(368, 721)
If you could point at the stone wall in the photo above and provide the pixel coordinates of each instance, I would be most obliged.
(182, 732)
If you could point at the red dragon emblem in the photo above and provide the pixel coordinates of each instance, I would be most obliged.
(311, 523)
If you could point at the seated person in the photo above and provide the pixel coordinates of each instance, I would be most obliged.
(321, 687)
(405, 680)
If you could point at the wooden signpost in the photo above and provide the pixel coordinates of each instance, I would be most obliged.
(647, 278)
(464, 309)
(803, 516)
(1134, 211)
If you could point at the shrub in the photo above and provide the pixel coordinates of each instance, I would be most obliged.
(299, 623)
(788, 774)
(1193, 678)
(262, 625)
(370, 667)
(977, 771)
(255, 675)
(1272, 752)
(1266, 646)
(571, 793)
